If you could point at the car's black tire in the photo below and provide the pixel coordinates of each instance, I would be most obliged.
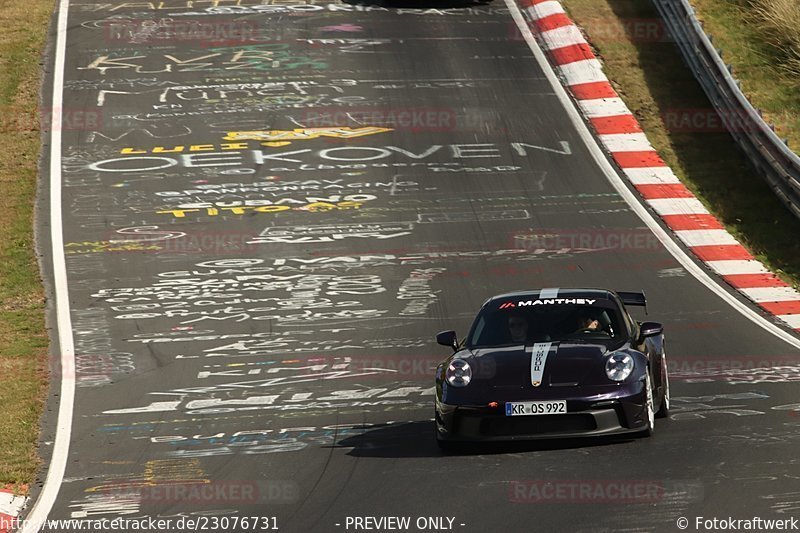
(448, 446)
(663, 408)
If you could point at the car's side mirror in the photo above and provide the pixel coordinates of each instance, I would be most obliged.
(448, 338)
(650, 329)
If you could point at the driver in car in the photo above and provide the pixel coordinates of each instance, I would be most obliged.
(518, 328)
(588, 323)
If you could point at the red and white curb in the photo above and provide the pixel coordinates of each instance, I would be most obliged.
(620, 134)
(10, 507)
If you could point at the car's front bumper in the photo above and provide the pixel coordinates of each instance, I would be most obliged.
(583, 419)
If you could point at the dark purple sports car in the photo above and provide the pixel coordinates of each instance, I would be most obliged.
(552, 363)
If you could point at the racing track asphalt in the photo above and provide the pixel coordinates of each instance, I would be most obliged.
(322, 316)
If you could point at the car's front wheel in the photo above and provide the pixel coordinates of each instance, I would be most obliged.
(649, 406)
(447, 446)
(663, 409)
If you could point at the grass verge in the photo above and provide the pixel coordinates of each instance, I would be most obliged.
(23, 339)
(648, 72)
(764, 52)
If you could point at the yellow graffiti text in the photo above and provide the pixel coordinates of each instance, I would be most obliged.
(93, 247)
(284, 137)
(185, 148)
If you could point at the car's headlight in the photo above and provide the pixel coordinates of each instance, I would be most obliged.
(619, 366)
(458, 373)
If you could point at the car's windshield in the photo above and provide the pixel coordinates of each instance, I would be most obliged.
(505, 323)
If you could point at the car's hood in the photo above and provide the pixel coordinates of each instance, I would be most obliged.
(550, 364)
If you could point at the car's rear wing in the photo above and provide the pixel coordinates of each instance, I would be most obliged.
(634, 298)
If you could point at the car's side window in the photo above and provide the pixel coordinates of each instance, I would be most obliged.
(634, 327)
(476, 333)
(628, 322)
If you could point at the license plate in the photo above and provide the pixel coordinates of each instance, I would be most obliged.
(536, 408)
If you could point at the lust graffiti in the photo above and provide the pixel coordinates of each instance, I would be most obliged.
(271, 138)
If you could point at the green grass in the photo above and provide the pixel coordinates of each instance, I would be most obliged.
(652, 79)
(752, 44)
(23, 339)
